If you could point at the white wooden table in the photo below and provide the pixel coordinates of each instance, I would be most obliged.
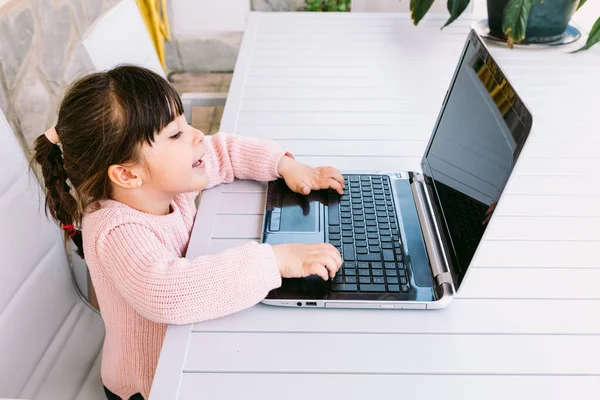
(362, 91)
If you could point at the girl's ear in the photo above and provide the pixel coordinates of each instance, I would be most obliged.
(125, 177)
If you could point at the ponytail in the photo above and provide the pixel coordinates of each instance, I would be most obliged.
(61, 204)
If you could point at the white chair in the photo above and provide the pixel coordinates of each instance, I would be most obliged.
(120, 36)
(50, 340)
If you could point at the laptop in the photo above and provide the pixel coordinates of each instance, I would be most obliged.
(407, 238)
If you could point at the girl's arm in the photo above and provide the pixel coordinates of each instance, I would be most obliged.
(168, 289)
(231, 156)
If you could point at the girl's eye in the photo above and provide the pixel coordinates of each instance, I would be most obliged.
(176, 136)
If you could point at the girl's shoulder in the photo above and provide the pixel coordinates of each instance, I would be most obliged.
(105, 215)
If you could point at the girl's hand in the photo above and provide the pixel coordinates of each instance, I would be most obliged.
(302, 178)
(297, 260)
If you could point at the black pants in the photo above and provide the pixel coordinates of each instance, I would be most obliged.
(111, 396)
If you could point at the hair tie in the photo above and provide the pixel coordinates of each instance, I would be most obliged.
(69, 229)
(52, 135)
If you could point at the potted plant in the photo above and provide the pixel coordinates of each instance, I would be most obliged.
(327, 5)
(517, 21)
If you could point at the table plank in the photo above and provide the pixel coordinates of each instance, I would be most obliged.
(378, 353)
(353, 387)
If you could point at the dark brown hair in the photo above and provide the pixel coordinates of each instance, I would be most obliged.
(103, 120)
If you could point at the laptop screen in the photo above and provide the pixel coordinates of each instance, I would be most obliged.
(476, 141)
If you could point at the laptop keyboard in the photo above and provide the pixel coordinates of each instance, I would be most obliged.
(364, 228)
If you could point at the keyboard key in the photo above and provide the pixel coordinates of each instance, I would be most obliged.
(393, 288)
(363, 265)
(402, 273)
(347, 221)
(351, 279)
(372, 242)
(372, 288)
(388, 255)
(392, 280)
(335, 236)
(336, 243)
(387, 245)
(349, 265)
(405, 288)
(334, 229)
(374, 249)
(361, 243)
(389, 265)
(344, 287)
(369, 257)
(386, 238)
(379, 279)
(346, 227)
(361, 250)
(390, 272)
(338, 279)
(373, 235)
(349, 272)
(360, 237)
(333, 210)
(364, 279)
(376, 265)
(348, 251)
(364, 272)
(348, 239)
(377, 272)
(359, 230)
(404, 281)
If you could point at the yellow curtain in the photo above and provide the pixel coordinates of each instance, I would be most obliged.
(154, 13)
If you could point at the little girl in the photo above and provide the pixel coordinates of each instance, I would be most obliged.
(128, 173)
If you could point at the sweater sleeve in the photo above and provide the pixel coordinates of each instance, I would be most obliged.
(168, 289)
(233, 156)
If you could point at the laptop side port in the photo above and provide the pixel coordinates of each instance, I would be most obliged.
(311, 303)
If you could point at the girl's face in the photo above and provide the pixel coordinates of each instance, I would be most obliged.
(174, 163)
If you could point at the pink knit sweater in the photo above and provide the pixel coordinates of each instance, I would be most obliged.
(143, 282)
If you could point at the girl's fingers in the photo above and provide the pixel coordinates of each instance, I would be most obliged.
(317, 268)
(302, 188)
(332, 173)
(332, 183)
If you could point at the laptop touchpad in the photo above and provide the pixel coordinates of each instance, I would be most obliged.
(299, 213)
(291, 217)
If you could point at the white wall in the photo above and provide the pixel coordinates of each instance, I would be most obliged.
(194, 17)
(392, 5)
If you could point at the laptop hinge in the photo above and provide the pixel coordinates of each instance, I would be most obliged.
(439, 264)
(444, 277)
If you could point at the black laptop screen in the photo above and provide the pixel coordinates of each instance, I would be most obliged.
(475, 144)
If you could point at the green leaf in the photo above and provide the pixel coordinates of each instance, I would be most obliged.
(514, 23)
(456, 7)
(418, 9)
(593, 38)
(581, 2)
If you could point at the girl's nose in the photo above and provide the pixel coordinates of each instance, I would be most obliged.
(198, 138)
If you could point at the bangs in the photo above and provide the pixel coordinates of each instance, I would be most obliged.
(148, 101)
